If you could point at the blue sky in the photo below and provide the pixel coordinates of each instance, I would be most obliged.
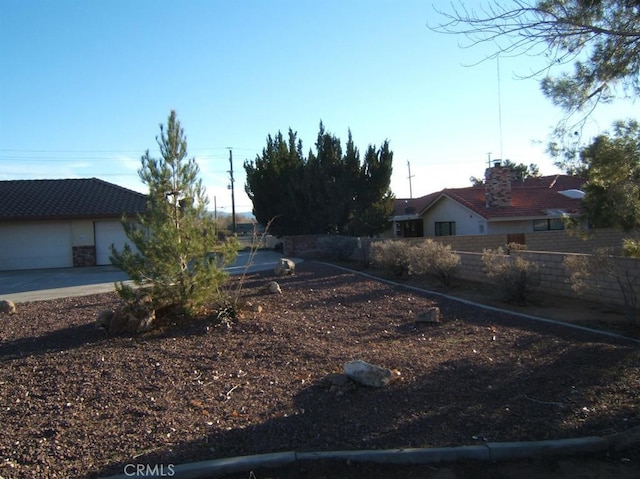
(84, 86)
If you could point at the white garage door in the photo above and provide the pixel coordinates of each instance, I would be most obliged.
(35, 245)
(106, 234)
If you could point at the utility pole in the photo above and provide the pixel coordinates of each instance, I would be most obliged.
(233, 200)
(410, 176)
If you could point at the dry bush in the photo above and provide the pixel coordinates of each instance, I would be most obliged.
(434, 259)
(391, 255)
(586, 269)
(338, 248)
(516, 276)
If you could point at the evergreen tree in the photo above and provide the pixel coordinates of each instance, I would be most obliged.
(374, 199)
(329, 192)
(179, 260)
(275, 185)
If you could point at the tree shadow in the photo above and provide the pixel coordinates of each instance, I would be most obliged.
(459, 402)
(71, 337)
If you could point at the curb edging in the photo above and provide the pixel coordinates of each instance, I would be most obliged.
(489, 452)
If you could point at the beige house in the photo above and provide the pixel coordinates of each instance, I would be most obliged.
(501, 206)
(63, 223)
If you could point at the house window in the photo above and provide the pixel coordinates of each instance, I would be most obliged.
(445, 228)
(553, 224)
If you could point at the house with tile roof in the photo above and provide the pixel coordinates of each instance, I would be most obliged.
(63, 223)
(502, 205)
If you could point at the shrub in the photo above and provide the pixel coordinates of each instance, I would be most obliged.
(515, 276)
(434, 259)
(394, 256)
(585, 269)
(339, 248)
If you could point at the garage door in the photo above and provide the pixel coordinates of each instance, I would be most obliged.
(106, 234)
(35, 245)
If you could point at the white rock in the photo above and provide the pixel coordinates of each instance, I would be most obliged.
(7, 306)
(284, 267)
(274, 288)
(369, 374)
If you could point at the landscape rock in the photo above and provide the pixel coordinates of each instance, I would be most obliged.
(273, 288)
(135, 317)
(285, 267)
(429, 315)
(369, 374)
(104, 319)
(7, 306)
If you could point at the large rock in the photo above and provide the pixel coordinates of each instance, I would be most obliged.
(285, 267)
(7, 306)
(137, 316)
(368, 374)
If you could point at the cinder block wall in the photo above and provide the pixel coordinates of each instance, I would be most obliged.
(554, 274)
(557, 241)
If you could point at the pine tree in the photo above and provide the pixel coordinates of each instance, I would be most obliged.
(179, 260)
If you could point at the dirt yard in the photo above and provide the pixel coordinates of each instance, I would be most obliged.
(76, 403)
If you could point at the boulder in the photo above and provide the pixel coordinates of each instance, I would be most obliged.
(429, 315)
(284, 267)
(368, 374)
(7, 306)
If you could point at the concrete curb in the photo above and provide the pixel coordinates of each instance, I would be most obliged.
(489, 452)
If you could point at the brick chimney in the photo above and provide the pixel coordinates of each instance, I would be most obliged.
(498, 186)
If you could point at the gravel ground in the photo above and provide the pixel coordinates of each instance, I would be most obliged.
(76, 403)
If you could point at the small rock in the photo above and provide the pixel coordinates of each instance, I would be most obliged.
(256, 308)
(368, 374)
(273, 288)
(429, 315)
(285, 267)
(7, 306)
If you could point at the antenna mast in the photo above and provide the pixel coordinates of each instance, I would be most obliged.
(410, 176)
(499, 108)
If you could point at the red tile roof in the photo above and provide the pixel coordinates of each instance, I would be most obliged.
(67, 199)
(533, 197)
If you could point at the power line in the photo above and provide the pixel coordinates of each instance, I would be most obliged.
(130, 150)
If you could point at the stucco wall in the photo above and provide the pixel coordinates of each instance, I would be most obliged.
(467, 222)
(82, 233)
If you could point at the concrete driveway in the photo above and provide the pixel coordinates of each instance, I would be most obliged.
(41, 284)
